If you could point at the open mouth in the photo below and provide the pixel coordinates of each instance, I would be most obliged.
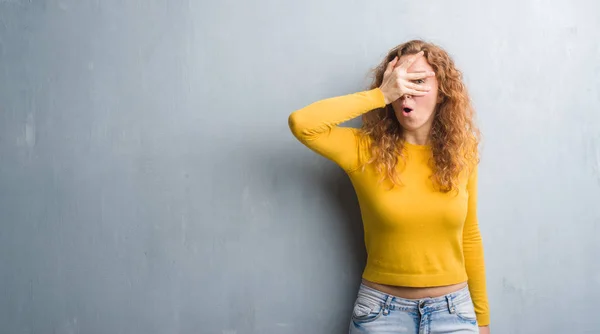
(407, 110)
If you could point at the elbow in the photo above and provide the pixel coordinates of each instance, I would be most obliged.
(472, 238)
(295, 124)
(472, 241)
(293, 121)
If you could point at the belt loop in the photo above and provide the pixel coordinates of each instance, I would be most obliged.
(386, 306)
(451, 307)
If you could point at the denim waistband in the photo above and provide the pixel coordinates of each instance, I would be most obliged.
(436, 303)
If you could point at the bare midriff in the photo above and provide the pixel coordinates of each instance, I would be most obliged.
(415, 293)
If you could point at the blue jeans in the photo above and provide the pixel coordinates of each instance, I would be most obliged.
(377, 312)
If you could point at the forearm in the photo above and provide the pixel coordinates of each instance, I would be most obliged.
(316, 125)
(319, 117)
(474, 254)
(475, 267)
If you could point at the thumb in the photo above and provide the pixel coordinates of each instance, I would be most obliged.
(391, 64)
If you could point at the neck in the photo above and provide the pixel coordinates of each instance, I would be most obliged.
(416, 137)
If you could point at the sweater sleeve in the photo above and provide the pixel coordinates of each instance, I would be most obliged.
(316, 125)
(473, 253)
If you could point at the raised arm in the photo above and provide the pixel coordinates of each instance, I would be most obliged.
(317, 125)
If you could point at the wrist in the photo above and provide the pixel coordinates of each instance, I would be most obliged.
(385, 98)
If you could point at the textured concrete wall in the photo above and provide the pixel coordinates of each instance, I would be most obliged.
(149, 182)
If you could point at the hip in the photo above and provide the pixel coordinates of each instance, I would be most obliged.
(376, 311)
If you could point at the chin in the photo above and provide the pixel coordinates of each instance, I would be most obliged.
(409, 126)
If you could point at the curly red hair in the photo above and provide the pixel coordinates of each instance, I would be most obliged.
(454, 136)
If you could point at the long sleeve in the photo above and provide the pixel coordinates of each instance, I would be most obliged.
(316, 125)
(474, 257)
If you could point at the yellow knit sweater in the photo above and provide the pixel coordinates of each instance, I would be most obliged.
(415, 235)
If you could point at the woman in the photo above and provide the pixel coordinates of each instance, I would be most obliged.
(413, 165)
